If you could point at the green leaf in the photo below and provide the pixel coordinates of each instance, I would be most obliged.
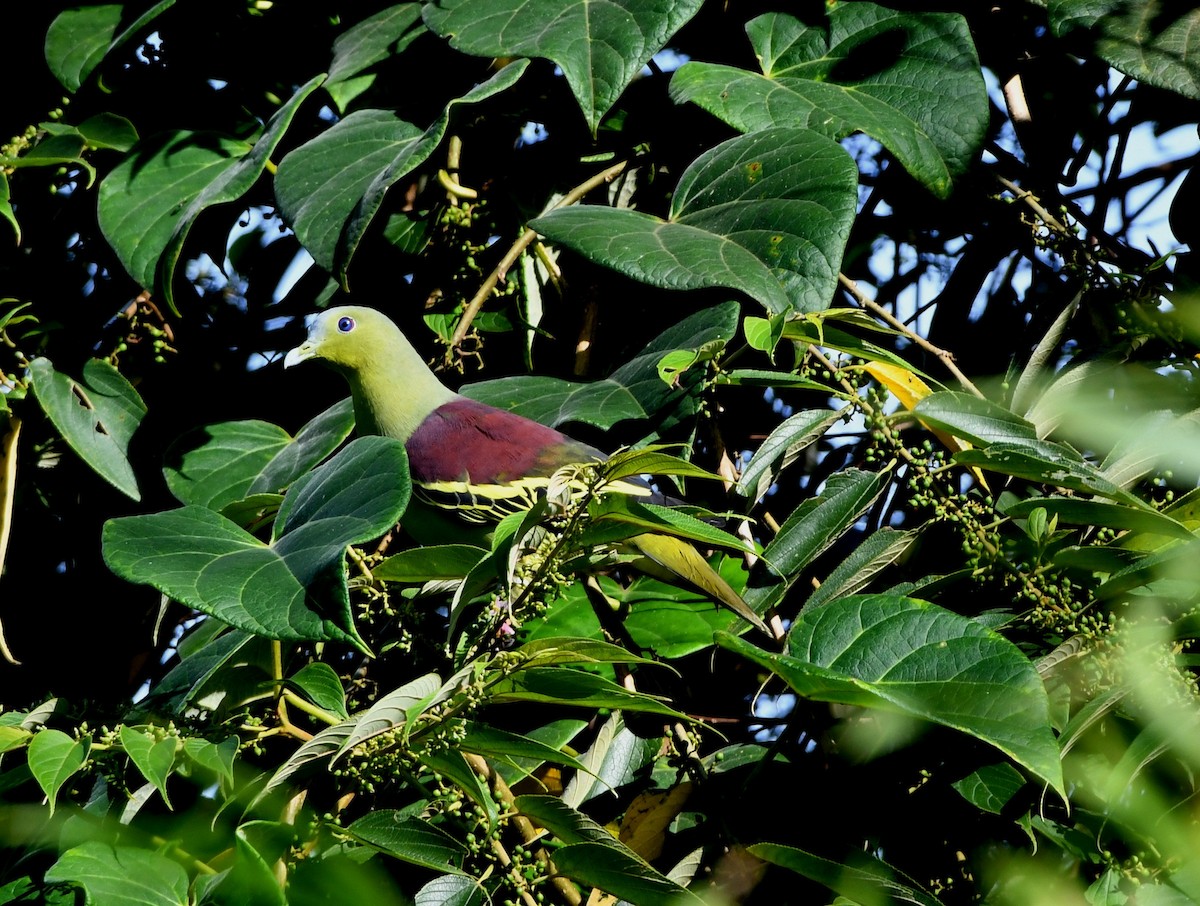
(814, 329)
(865, 880)
(813, 526)
(781, 448)
(1155, 43)
(559, 651)
(976, 420)
(767, 214)
(108, 131)
(621, 510)
(78, 39)
(451, 890)
(217, 757)
(390, 711)
(1046, 462)
(568, 824)
(320, 685)
(219, 464)
(152, 757)
(215, 465)
(144, 198)
(97, 416)
(914, 658)
(375, 39)
(54, 758)
(228, 184)
(281, 590)
(7, 212)
(321, 747)
(600, 47)
(1075, 511)
(408, 839)
(574, 688)
(330, 188)
(554, 401)
(622, 873)
(991, 787)
(105, 873)
(877, 551)
(492, 742)
(426, 564)
(910, 80)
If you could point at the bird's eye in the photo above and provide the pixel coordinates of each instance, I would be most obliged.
(345, 325)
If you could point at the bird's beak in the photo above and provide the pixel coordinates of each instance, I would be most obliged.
(300, 354)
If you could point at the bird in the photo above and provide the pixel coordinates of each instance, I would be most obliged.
(471, 464)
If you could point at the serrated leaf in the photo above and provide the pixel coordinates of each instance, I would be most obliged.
(574, 688)
(979, 421)
(600, 47)
(494, 743)
(1046, 462)
(451, 890)
(912, 657)
(864, 880)
(909, 80)
(813, 526)
(321, 747)
(1076, 511)
(409, 839)
(390, 711)
(781, 448)
(293, 588)
(877, 551)
(621, 873)
(767, 214)
(97, 416)
(54, 758)
(104, 872)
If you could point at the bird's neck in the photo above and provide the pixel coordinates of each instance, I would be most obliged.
(393, 397)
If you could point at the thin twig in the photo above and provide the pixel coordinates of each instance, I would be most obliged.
(529, 833)
(514, 252)
(947, 358)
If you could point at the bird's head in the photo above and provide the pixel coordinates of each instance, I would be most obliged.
(393, 388)
(350, 338)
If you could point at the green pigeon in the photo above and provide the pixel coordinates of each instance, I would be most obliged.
(471, 463)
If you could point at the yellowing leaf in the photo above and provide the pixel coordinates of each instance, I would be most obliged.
(644, 827)
(910, 390)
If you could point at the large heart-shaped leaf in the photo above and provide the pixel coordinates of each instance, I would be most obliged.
(1156, 43)
(293, 588)
(910, 80)
(97, 416)
(143, 201)
(330, 187)
(218, 464)
(229, 184)
(600, 45)
(909, 656)
(79, 39)
(767, 214)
